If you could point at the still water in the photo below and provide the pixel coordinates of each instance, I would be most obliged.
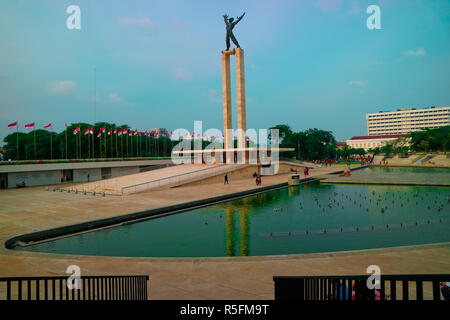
(310, 218)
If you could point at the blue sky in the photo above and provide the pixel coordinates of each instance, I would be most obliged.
(308, 63)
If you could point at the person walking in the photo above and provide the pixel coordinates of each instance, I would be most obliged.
(259, 180)
(226, 179)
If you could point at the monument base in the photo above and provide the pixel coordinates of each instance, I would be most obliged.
(233, 155)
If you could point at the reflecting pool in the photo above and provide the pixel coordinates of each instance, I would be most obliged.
(309, 218)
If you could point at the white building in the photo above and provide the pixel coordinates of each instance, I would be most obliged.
(404, 121)
(371, 142)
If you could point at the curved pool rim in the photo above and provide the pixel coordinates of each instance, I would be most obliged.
(36, 237)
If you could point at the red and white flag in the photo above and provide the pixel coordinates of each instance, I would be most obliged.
(29, 126)
(130, 133)
(48, 126)
(99, 134)
(103, 129)
(115, 130)
(109, 132)
(87, 131)
(135, 132)
(139, 133)
(119, 133)
(12, 125)
(92, 130)
(124, 131)
(76, 130)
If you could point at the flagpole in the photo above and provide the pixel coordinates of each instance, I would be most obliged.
(117, 150)
(93, 143)
(112, 140)
(79, 145)
(51, 144)
(17, 141)
(35, 144)
(66, 142)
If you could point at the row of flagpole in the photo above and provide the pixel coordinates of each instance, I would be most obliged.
(91, 142)
(103, 130)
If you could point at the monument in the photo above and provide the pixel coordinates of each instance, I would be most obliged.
(226, 90)
(229, 154)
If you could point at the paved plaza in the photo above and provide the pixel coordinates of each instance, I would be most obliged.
(33, 209)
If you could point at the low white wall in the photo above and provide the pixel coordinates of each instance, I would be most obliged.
(34, 178)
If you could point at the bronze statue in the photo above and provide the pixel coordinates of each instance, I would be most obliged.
(230, 23)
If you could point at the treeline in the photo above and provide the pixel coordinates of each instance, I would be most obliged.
(42, 144)
(427, 140)
(312, 144)
(437, 139)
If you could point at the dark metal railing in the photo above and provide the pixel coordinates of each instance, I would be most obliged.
(90, 288)
(349, 288)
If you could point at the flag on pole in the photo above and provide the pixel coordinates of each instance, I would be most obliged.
(115, 130)
(12, 125)
(130, 133)
(92, 130)
(87, 131)
(109, 132)
(99, 134)
(135, 132)
(48, 126)
(119, 133)
(124, 131)
(29, 126)
(103, 129)
(139, 133)
(65, 124)
(76, 130)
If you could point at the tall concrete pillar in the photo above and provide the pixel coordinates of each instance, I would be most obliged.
(226, 92)
(241, 117)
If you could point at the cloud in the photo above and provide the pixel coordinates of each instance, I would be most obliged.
(357, 83)
(144, 23)
(57, 88)
(181, 74)
(416, 53)
(114, 97)
(328, 5)
(213, 96)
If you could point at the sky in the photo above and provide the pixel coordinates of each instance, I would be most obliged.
(308, 64)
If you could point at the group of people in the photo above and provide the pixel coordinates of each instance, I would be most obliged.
(257, 178)
(326, 162)
(255, 175)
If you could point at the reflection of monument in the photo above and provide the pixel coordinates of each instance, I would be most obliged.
(244, 229)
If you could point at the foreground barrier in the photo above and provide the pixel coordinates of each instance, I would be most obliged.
(350, 288)
(130, 287)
